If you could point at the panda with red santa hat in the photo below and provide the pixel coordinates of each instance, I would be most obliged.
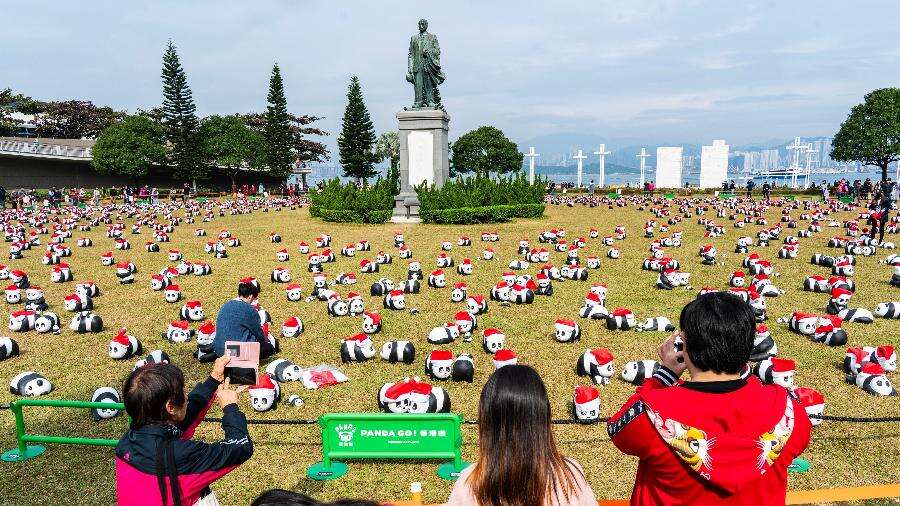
(504, 357)
(566, 331)
(86, 321)
(192, 311)
(178, 331)
(596, 364)
(438, 364)
(371, 322)
(460, 292)
(872, 380)
(124, 346)
(265, 394)
(367, 266)
(621, 319)
(355, 304)
(777, 371)
(437, 279)
(445, 334)
(395, 300)
(586, 405)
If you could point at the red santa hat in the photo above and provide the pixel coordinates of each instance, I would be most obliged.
(838, 291)
(207, 328)
(263, 384)
(738, 274)
(809, 397)
(586, 394)
(443, 356)
(531, 285)
(183, 325)
(602, 355)
(479, 299)
(122, 337)
(192, 304)
(291, 323)
(463, 316)
(373, 317)
(884, 352)
(361, 339)
(292, 286)
(353, 295)
(504, 357)
(466, 261)
(493, 332)
(762, 330)
(541, 276)
(12, 289)
(564, 324)
(173, 288)
(71, 296)
(622, 311)
(782, 366)
(460, 285)
(707, 248)
(437, 272)
(872, 368)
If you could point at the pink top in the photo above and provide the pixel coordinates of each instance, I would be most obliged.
(583, 496)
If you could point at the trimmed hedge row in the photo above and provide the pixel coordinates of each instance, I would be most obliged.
(350, 216)
(486, 214)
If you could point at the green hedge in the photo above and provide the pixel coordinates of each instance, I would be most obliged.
(482, 191)
(484, 214)
(350, 216)
(345, 203)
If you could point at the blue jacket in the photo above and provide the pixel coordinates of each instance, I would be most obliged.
(237, 321)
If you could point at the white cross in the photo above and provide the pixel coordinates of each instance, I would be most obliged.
(580, 157)
(531, 156)
(809, 157)
(643, 156)
(796, 147)
(602, 153)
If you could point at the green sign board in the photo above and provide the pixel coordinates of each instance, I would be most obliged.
(358, 436)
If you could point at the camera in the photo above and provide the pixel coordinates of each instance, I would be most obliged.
(244, 365)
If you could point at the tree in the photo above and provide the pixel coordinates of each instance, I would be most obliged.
(483, 151)
(871, 133)
(230, 145)
(388, 148)
(303, 149)
(129, 148)
(74, 119)
(180, 119)
(357, 140)
(278, 128)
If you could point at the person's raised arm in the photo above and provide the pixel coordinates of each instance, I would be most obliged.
(201, 397)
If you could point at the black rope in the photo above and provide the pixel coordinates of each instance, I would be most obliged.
(857, 419)
(276, 421)
(5, 406)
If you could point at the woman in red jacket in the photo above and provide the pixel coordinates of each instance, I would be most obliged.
(721, 438)
(157, 463)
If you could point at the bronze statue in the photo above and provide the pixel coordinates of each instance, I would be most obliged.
(424, 68)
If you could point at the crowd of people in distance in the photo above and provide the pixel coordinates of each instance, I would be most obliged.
(719, 437)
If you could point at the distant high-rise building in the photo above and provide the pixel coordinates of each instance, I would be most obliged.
(769, 159)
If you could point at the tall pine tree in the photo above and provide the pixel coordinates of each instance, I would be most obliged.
(180, 120)
(277, 132)
(357, 140)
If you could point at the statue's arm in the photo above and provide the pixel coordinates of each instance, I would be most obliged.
(409, 58)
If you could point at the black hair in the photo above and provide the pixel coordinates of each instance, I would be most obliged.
(279, 497)
(248, 290)
(148, 389)
(718, 332)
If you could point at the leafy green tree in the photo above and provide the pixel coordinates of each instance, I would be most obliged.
(871, 133)
(230, 145)
(483, 151)
(278, 128)
(129, 148)
(180, 119)
(388, 148)
(20, 103)
(303, 149)
(357, 140)
(74, 119)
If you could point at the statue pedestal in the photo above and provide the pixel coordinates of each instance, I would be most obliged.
(424, 157)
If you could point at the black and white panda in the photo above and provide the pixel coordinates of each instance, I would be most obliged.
(154, 357)
(84, 242)
(86, 321)
(30, 384)
(439, 364)
(398, 352)
(337, 307)
(284, 370)
(9, 348)
(381, 287)
(463, 368)
(124, 346)
(125, 272)
(22, 321)
(107, 395)
(493, 340)
(201, 269)
(437, 279)
(46, 322)
(657, 324)
(281, 275)
(151, 247)
(411, 286)
(192, 311)
(567, 331)
(357, 348)
(638, 371)
(445, 334)
(888, 309)
(621, 319)
(383, 258)
(597, 364)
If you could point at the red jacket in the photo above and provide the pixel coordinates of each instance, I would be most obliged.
(725, 443)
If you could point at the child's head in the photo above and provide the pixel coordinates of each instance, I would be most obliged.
(718, 333)
(154, 394)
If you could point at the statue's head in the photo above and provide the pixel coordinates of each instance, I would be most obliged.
(423, 25)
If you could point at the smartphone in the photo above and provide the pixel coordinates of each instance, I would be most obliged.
(243, 368)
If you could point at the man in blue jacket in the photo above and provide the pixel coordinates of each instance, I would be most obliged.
(239, 321)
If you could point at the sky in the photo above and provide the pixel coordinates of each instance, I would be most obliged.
(648, 71)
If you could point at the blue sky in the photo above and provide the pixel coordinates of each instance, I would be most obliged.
(676, 71)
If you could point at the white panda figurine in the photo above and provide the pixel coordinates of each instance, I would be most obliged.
(154, 357)
(493, 340)
(292, 327)
(178, 332)
(22, 321)
(192, 310)
(86, 321)
(888, 309)
(172, 294)
(777, 371)
(596, 364)
(105, 395)
(443, 335)
(124, 346)
(371, 322)
(281, 275)
(265, 394)
(357, 348)
(658, 324)
(284, 370)
(567, 331)
(30, 384)
(463, 368)
(586, 404)
(398, 352)
(9, 348)
(638, 371)
(46, 322)
(438, 364)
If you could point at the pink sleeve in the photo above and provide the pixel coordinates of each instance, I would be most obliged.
(461, 495)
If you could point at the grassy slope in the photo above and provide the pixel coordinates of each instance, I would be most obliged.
(77, 364)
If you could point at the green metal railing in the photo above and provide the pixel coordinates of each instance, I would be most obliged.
(24, 451)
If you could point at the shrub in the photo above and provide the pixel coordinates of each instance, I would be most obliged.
(345, 203)
(484, 214)
(482, 199)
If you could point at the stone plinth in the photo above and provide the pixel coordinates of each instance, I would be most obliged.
(424, 157)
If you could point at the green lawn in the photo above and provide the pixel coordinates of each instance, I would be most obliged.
(841, 454)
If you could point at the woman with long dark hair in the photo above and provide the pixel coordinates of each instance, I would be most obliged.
(519, 464)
